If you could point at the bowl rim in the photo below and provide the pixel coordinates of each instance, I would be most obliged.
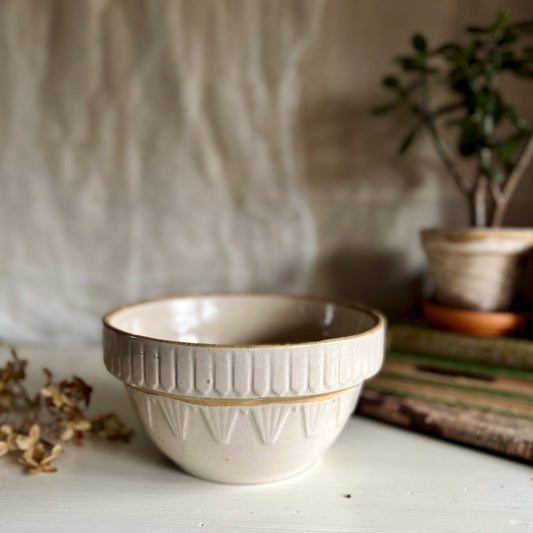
(380, 317)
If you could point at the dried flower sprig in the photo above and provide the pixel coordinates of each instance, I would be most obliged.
(32, 427)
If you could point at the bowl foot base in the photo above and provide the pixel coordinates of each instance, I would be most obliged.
(251, 480)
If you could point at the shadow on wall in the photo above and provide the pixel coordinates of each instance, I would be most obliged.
(345, 142)
(368, 194)
(376, 278)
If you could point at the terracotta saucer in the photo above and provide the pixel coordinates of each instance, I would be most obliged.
(479, 323)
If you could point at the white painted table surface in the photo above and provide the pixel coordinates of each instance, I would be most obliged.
(399, 482)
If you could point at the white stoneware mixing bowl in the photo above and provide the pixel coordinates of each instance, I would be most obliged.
(243, 388)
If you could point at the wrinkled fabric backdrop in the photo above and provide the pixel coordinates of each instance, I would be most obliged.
(156, 147)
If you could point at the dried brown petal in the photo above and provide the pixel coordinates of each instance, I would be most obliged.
(48, 374)
(27, 458)
(56, 451)
(42, 469)
(67, 434)
(47, 392)
(56, 395)
(39, 451)
(4, 448)
(6, 401)
(37, 459)
(58, 412)
(8, 438)
(35, 432)
(81, 425)
(110, 427)
(5, 430)
(26, 442)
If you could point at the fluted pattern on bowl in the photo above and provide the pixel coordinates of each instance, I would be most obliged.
(226, 372)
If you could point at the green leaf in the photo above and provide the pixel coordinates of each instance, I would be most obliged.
(380, 110)
(469, 142)
(411, 64)
(492, 172)
(500, 22)
(510, 63)
(524, 73)
(499, 109)
(469, 50)
(506, 57)
(448, 50)
(520, 122)
(507, 149)
(525, 27)
(408, 139)
(509, 35)
(391, 82)
(459, 83)
(472, 99)
(419, 43)
(478, 29)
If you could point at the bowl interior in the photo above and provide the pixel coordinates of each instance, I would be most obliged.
(243, 320)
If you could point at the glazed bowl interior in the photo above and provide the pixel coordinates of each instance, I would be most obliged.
(242, 320)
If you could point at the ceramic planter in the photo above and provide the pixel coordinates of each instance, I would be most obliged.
(243, 388)
(476, 268)
(478, 323)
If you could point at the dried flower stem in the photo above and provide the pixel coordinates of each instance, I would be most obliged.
(32, 428)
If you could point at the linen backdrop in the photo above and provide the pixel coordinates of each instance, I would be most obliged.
(152, 147)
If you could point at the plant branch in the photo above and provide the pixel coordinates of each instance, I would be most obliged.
(22, 389)
(446, 157)
(479, 194)
(496, 192)
(510, 185)
(518, 170)
(440, 143)
(445, 109)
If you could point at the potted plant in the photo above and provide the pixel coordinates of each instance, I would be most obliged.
(458, 86)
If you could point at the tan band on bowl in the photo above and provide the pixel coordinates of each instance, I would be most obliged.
(250, 402)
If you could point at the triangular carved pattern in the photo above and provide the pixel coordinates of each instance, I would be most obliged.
(312, 415)
(269, 420)
(176, 414)
(340, 410)
(144, 405)
(220, 421)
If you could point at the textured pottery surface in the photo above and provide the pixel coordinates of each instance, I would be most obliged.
(243, 388)
(476, 268)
